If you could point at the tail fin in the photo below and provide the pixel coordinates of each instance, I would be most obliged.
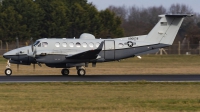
(166, 29)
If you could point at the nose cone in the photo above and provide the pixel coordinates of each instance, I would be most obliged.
(7, 55)
(11, 54)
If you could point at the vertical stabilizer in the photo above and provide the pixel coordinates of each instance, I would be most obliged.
(166, 29)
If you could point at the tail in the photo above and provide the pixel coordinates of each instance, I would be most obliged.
(166, 29)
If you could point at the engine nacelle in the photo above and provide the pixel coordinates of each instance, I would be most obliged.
(19, 62)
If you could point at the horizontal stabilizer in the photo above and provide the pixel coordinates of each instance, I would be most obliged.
(180, 15)
(148, 52)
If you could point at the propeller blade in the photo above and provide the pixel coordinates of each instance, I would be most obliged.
(31, 43)
(34, 67)
(17, 45)
(39, 64)
(17, 42)
(17, 67)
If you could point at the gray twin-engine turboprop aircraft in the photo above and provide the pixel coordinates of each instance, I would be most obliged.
(66, 53)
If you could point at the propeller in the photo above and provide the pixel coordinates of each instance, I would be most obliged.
(32, 53)
(17, 46)
(33, 49)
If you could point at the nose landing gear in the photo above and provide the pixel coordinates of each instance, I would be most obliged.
(8, 71)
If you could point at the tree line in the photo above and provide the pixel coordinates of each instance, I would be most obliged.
(70, 18)
(55, 19)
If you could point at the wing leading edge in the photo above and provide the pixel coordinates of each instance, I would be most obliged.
(91, 54)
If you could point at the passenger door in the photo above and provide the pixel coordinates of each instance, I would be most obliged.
(109, 49)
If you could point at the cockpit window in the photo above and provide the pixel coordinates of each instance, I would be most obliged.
(44, 44)
(36, 43)
(39, 45)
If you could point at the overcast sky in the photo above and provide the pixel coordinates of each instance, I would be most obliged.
(102, 4)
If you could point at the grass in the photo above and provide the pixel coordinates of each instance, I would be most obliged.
(107, 97)
(151, 64)
(100, 97)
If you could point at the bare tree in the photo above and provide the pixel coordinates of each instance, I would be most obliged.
(120, 11)
(180, 9)
(139, 20)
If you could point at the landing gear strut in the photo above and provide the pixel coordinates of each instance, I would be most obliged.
(65, 72)
(8, 71)
(81, 71)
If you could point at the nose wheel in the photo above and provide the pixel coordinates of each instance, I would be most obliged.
(8, 72)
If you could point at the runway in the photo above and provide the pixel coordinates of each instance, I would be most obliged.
(101, 78)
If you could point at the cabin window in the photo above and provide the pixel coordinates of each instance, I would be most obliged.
(78, 44)
(71, 44)
(64, 44)
(57, 44)
(44, 44)
(91, 44)
(121, 45)
(97, 44)
(84, 44)
(39, 45)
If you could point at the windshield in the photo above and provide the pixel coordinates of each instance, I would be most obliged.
(36, 43)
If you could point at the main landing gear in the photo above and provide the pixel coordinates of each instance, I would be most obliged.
(80, 71)
(65, 72)
(8, 71)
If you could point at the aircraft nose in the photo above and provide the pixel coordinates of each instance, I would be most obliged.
(10, 54)
(6, 55)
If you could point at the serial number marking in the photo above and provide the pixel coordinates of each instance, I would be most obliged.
(133, 38)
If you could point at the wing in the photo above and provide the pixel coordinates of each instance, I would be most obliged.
(91, 54)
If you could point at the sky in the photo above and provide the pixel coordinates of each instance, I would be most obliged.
(102, 4)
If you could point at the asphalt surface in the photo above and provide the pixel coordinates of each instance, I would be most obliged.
(101, 78)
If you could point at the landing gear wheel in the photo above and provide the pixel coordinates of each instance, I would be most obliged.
(65, 72)
(81, 72)
(8, 72)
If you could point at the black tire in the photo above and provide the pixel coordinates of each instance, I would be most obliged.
(65, 72)
(81, 72)
(8, 72)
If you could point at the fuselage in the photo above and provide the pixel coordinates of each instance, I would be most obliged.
(53, 52)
